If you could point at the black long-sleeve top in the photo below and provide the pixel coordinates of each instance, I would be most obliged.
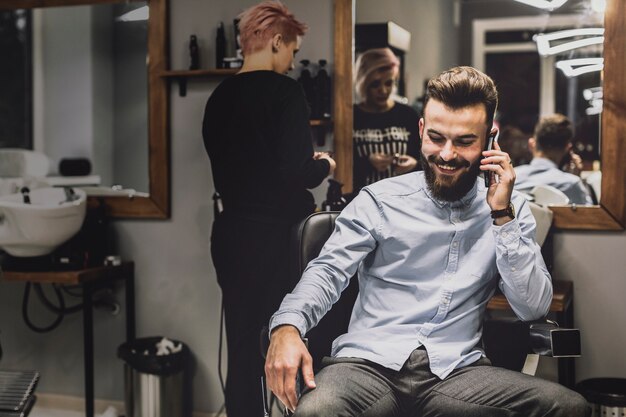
(256, 132)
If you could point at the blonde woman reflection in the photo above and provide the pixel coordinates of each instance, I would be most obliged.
(385, 132)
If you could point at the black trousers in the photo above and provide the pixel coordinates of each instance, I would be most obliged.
(251, 258)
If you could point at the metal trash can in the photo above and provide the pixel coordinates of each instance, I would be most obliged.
(607, 396)
(155, 385)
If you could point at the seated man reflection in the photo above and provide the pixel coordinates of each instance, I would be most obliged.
(550, 146)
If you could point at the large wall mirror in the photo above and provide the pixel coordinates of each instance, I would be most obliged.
(610, 213)
(96, 93)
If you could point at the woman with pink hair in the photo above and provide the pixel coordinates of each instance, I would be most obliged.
(385, 132)
(257, 135)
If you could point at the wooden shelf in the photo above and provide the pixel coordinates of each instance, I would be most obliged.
(71, 277)
(561, 298)
(181, 76)
(321, 122)
(200, 73)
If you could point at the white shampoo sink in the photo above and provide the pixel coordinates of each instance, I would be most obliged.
(53, 216)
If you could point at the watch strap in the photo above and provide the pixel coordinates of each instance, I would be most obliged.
(508, 211)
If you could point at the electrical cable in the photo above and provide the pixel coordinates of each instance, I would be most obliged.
(50, 306)
(29, 323)
(219, 357)
(60, 310)
(68, 289)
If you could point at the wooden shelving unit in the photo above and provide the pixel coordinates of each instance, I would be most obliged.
(181, 76)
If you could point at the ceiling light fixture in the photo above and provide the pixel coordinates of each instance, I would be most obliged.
(141, 13)
(544, 4)
(598, 6)
(579, 66)
(594, 108)
(593, 36)
(593, 93)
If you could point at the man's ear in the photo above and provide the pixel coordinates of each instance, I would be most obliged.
(532, 144)
(421, 127)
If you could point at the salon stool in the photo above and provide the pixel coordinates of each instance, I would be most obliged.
(607, 396)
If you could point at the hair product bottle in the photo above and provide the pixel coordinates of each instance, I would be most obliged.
(306, 81)
(322, 91)
(194, 53)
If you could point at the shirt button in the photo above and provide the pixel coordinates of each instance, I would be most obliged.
(455, 244)
(513, 269)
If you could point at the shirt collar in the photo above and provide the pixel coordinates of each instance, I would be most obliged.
(466, 200)
(542, 163)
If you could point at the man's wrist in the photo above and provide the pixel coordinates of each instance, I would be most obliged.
(284, 328)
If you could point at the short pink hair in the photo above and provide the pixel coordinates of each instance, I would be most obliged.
(260, 23)
(370, 62)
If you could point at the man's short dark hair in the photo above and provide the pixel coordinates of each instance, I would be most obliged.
(461, 87)
(553, 132)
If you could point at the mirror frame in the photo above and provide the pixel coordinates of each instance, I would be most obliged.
(157, 204)
(610, 214)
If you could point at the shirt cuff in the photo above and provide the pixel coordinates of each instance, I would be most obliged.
(288, 317)
(509, 232)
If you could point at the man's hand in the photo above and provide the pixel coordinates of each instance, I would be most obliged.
(499, 194)
(286, 354)
(574, 165)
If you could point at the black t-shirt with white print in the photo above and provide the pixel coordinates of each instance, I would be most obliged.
(392, 132)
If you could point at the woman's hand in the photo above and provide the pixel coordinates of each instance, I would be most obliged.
(326, 156)
(380, 161)
(404, 164)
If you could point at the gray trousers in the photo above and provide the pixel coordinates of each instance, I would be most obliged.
(357, 387)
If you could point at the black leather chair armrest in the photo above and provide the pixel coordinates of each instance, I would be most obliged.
(548, 339)
(508, 340)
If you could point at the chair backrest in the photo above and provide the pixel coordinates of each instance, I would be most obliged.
(546, 195)
(308, 240)
(543, 218)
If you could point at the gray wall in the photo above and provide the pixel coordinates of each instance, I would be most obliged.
(177, 294)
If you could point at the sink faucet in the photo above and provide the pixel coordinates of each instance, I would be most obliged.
(70, 194)
(25, 194)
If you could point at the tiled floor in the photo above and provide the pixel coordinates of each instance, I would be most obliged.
(51, 412)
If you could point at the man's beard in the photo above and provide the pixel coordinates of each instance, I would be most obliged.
(447, 190)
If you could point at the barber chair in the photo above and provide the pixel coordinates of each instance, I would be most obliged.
(509, 343)
(546, 195)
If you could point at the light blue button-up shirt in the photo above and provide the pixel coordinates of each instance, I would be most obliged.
(542, 171)
(426, 271)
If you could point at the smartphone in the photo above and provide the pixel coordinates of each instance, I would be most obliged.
(489, 146)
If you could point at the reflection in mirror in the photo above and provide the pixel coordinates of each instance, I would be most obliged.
(89, 91)
(499, 40)
(131, 156)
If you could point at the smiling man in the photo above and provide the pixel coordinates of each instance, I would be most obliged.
(430, 248)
